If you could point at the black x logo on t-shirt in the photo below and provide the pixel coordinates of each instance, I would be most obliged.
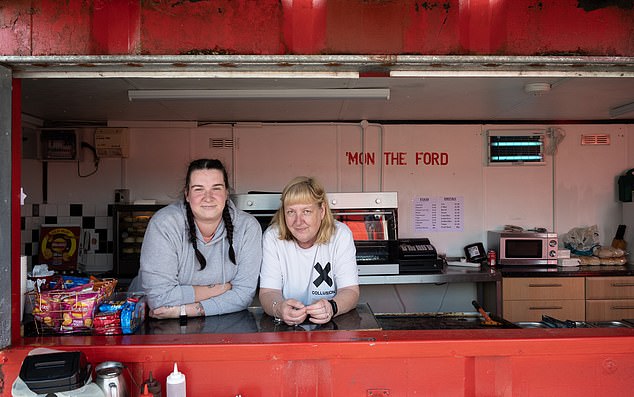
(323, 275)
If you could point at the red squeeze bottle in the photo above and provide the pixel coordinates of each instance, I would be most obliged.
(145, 392)
(153, 386)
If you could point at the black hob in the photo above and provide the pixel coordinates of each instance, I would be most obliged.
(427, 321)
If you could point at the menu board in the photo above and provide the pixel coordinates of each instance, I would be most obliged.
(439, 214)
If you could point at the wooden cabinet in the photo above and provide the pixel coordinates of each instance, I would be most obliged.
(609, 298)
(568, 298)
(527, 298)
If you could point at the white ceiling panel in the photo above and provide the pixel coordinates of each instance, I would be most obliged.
(449, 89)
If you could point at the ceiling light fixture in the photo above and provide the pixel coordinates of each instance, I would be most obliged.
(320, 93)
(621, 110)
(537, 89)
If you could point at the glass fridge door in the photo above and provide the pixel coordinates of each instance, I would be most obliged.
(129, 224)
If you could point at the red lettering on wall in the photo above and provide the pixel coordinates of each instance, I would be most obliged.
(395, 158)
(432, 158)
(359, 158)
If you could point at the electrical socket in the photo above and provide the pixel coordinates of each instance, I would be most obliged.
(93, 241)
(122, 196)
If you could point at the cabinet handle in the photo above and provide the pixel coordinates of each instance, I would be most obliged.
(545, 307)
(623, 284)
(545, 285)
(622, 307)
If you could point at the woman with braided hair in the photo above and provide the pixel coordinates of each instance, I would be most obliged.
(200, 256)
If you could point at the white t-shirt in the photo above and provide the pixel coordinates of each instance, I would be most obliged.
(310, 274)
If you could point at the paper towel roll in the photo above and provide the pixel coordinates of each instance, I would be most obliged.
(22, 285)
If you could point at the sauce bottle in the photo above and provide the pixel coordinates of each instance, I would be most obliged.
(176, 384)
(153, 386)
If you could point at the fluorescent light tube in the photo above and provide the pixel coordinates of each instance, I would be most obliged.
(621, 110)
(319, 93)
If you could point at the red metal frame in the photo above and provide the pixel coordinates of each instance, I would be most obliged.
(460, 363)
(348, 363)
(273, 27)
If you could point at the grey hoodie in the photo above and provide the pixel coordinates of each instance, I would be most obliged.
(169, 268)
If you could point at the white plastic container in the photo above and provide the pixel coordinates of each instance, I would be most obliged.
(176, 384)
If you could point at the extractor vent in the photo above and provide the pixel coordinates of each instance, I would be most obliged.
(515, 147)
(595, 139)
(219, 143)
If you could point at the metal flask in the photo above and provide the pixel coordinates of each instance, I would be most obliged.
(109, 377)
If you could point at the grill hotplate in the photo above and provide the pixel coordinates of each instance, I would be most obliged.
(426, 321)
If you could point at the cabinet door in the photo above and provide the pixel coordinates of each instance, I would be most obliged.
(539, 288)
(532, 310)
(609, 309)
(609, 287)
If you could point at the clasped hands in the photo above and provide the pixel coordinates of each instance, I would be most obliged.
(294, 312)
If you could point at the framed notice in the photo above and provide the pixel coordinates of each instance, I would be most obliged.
(58, 246)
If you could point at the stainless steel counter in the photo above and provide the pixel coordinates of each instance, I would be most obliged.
(451, 274)
(488, 282)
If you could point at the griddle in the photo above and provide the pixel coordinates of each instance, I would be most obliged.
(443, 321)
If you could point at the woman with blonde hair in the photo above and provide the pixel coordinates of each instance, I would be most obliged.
(309, 268)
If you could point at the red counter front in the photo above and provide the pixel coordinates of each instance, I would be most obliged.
(506, 362)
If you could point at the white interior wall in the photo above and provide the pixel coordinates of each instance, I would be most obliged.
(267, 156)
(460, 177)
(519, 195)
(576, 188)
(586, 179)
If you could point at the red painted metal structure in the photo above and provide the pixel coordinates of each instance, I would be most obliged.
(532, 362)
(317, 27)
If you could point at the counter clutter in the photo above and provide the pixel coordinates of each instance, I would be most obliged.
(46, 372)
(64, 304)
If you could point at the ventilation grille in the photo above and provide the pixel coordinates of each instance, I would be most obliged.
(219, 143)
(595, 139)
(516, 149)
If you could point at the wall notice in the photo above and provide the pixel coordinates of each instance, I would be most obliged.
(439, 214)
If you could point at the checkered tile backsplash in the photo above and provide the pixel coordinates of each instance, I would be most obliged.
(90, 218)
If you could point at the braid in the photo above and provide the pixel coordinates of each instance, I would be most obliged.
(229, 227)
(192, 236)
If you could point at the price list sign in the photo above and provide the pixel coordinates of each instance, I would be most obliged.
(439, 214)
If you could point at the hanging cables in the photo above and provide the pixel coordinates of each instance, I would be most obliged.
(95, 160)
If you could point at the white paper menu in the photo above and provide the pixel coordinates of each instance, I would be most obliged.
(439, 214)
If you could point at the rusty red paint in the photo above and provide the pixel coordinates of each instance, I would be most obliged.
(272, 27)
(304, 26)
(241, 27)
(115, 27)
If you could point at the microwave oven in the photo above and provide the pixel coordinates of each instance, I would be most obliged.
(524, 248)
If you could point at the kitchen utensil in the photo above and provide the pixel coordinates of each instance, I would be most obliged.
(556, 323)
(487, 319)
(109, 377)
(618, 241)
